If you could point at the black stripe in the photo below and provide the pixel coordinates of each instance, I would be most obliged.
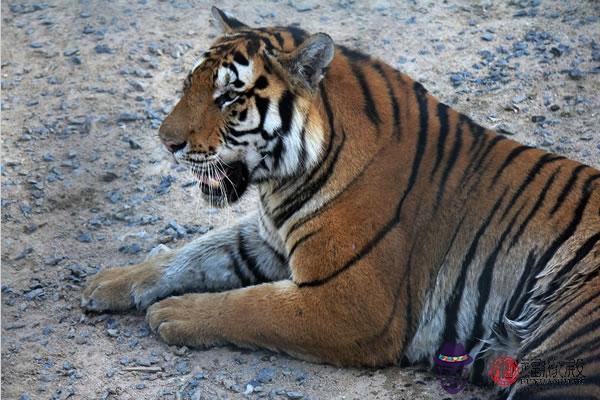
(409, 332)
(298, 34)
(277, 151)
(484, 284)
(300, 241)
(310, 187)
(393, 99)
(442, 114)
(454, 153)
(560, 240)
(475, 165)
(286, 109)
(237, 269)
(279, 39)
(370, 108)
(551, 329)
(578, 348)
(516, 152)
(239, 58)
(453, 304)
(421, 95)
(531, 175)
(299, 198)
(538, 204)
(353, 55)
(520, 296)
(581, 253)
(567, 189)
(250, 261)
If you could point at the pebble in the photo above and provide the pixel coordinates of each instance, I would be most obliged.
(133, 144)
(183, 367)
(84, 237)
(303, 5)
(294, 395)
(103, 49)
(133, 248)
(130, 117)
(519, 99)
(265, 375)
(488, 37)
(575, 74)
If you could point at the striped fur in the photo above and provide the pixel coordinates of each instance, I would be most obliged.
(388, 223)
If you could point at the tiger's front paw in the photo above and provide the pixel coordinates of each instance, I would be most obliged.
(184, 320)
(119, 289)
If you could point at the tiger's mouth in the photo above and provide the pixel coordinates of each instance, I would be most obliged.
(224, 184)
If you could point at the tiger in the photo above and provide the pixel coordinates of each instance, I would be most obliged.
(387, 223)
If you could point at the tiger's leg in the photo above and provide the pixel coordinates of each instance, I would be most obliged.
(562, 358)
(219, 260)
(339, 323)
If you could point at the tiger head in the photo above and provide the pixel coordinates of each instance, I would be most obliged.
(247, 113)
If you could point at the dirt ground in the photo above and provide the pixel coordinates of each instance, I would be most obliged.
(86, 185)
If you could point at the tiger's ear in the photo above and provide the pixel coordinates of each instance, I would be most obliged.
(225, 23)
(307, 63)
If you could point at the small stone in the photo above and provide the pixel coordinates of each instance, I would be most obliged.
(30, 228)
(294, 395)
(133, 144)
(70, 52)
(575, 74)
(84, 237)
(554, 107)
(538, 118)
(265, 375)
(103, 49)
(488, 37)
(140, 386)
(48, 157)
(519, 99)
(183, 367)
(112, 332)
(129, 117)
(24, 253)
(114, 196)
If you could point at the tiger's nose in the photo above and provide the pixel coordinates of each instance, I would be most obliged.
(173, 146)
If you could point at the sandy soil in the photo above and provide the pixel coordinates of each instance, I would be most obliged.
(86, 185)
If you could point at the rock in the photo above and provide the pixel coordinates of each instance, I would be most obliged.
(538, 118)
(136, 85)
(183, 367)
(519, 99)
(133, 144)
(130, 117)
(84, 237)
(70, 52)
(265, 375)
(133, 248)
(24, 253)
(114, 196)
(575, 74)
(303, 5)
(112, 332)
(488, 37)
(294, 395)
(103, 49)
